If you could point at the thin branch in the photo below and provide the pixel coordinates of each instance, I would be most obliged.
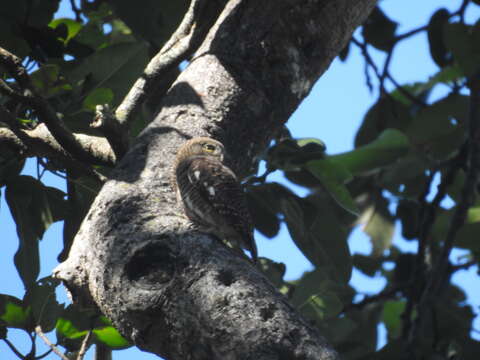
(467, 198)
(45, 354)
(56, 350)
(39, 142)
(366, 54)
(7, 90)
(461, 10)
(84, 347)
(405, 92)
(385, 74)
(410, 33)
(46, 113)
(76, 11)
(468, 194)
(422, 262)
(33, 349)
(173, 52)
(463, 266)
(14, 349)
(385, 68)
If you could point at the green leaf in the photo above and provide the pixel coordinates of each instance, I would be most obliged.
(291, 154)
(464, 42)
(42, 300)
(73, 27)
(369, 265)
(316, 296)
(34, 207)
(380, 227)
(12, 14)
(49, 82)
(43, 10)
(379, 31)
(438, 130)
(421, 90)
(392, 317)
(262, 202)
(274, 271)
(99, 96)
(115, 67)
(11, 164)
(110, 336)
(333, 175)
(317, 232)
(453, 321)
(73, 325)
(363, 339)
(390, 145)
(14, 313)
(406, 177)
(150, 21)
(393, 350)
(435, 32)
(81, 193)
(386, 113)
(408, 212)
(302, 177)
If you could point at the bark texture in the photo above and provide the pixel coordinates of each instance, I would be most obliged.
(169, 289)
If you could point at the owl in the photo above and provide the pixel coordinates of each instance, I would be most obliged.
(211, 194)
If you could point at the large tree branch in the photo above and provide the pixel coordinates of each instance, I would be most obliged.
(169, 289)
(186, 39)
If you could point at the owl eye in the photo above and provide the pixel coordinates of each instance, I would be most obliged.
(209, 147)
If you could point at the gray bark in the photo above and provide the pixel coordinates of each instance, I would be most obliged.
(171, 290)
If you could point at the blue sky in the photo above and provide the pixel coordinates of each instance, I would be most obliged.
(332, 112)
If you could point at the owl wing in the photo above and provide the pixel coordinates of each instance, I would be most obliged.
(218, 198)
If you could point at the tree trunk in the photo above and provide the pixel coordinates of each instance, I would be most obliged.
(173, 291)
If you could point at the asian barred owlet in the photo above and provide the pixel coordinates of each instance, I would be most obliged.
(212, 196)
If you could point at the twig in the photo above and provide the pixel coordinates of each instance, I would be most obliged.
(428, 216)
(45, 354)
(366, 54)
(76, 11)
(385, 74)
(7, 90)
(405, 92)
(56, 350)
(385, 68)
(410, 33)
(173, 52)
(461, 10)
(439, 271)
(83, 348)
(39, 144)
(46, 113)
(33, 349)
(463, 266)
(468, 192)
(14, 349)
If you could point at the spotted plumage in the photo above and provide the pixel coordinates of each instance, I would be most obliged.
(212, 196)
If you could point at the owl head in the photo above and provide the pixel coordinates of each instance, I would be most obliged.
(203, 146)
